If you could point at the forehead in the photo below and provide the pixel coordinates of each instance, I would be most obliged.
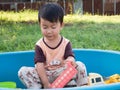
(44, 21)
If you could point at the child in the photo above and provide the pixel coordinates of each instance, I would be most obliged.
(52, 52)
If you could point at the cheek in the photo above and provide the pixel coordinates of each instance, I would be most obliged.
(43, 31)
(55, 31)
(58, 29)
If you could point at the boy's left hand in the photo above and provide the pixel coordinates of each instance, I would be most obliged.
(72, 63)
(72, 60)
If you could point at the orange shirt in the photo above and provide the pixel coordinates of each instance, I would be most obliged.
(49, 54)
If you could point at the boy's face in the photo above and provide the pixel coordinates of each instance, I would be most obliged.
(50, 30)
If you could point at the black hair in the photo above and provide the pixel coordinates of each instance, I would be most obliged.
(51, 12)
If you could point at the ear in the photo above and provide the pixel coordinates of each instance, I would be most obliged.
(39, 23)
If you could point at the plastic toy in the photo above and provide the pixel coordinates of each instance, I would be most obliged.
(113, 79)
(7, 84)
(65, 77)
(95, 79)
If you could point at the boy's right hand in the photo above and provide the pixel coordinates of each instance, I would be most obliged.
(46, 86)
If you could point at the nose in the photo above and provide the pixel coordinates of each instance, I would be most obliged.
(49, 31)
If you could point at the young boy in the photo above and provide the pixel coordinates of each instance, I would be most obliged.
(52, 52)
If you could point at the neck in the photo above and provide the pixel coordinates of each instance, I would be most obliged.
(53, 43)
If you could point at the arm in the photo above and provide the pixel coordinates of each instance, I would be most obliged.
(42, 74)
(39, 60)
(69, 56)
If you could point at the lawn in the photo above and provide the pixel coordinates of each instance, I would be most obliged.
(19, 31)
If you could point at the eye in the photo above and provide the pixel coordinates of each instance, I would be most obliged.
(44, 27)
(53, 27)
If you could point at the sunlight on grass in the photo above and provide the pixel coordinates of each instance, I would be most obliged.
(89, 18)
(27, 15)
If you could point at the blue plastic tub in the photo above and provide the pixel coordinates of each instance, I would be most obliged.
(104, 62)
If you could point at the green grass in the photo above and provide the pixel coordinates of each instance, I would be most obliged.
(20, 31)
